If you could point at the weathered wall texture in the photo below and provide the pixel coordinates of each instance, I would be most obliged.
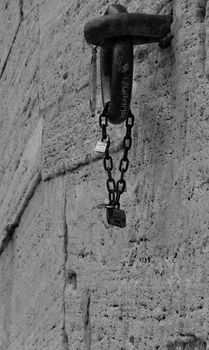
(67, 279)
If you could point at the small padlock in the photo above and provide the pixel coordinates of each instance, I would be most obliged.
(101, 146)
(115, 216)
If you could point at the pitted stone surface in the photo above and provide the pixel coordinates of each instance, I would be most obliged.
(67, 279)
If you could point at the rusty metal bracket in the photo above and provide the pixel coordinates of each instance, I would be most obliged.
(142, 28)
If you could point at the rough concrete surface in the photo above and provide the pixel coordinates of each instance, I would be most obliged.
(68, 280)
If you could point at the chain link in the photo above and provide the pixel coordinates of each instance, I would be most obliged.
(115, 190)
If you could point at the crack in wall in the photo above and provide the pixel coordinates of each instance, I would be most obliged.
(85, 307)
(10, 228)
(21, 10)
(14, 39)
(9, 52)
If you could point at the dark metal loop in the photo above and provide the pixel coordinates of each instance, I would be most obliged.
(108, 163)
(106, 139)
(121, 186)
(110, 182)
(117, 200)
(127, 142)
(130, 120)
(124, 163)
(111, 199)
(102, 120)
(109, 173)
(106, 109)
(122, 174)
(125, 154)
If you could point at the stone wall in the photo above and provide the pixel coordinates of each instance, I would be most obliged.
(67, 279)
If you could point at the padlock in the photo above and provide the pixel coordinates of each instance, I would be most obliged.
(115, 216)
(101, 147)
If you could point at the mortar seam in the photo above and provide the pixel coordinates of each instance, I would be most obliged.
(87, 160)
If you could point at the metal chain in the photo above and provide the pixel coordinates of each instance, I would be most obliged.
(115, 190)
(108, 161)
